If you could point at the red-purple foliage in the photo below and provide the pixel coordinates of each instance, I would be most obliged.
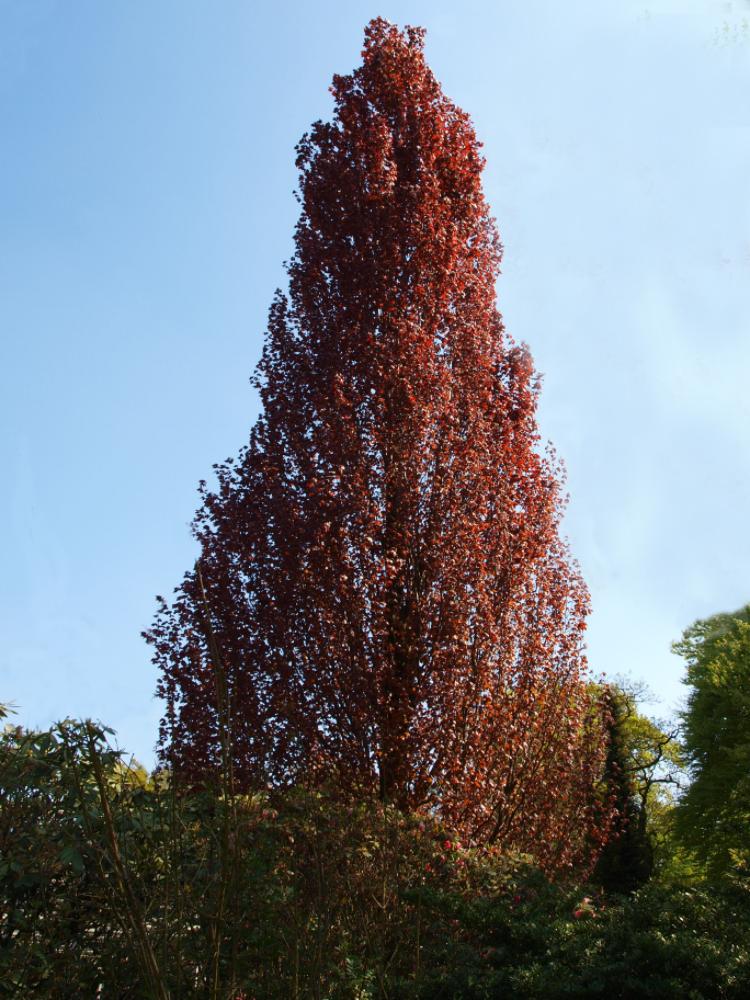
(393, 608)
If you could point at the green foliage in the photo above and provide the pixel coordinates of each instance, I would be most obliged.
(54, 925)
(663, 942)
(127, 887)
(627, 860)
(644, 769)
(713, 818)
(117, 885)
(552, 942)
(655, 760)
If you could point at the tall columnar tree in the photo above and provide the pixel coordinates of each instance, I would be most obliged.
(383, 594)
(627, 860)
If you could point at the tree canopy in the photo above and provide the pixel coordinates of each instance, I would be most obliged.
(384, 597)
(713, 818)
(644, 770)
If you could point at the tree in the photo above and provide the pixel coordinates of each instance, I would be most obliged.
(627, 859)
(644, 765)
(383, 599)
(655, 765)
(713, 816)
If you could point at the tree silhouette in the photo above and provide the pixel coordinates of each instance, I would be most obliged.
(627, 861)
(388, 605)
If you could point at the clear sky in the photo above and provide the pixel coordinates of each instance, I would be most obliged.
(146, 207)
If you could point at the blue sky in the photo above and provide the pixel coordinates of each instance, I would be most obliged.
(146, 202)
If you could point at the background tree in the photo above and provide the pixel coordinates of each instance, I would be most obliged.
(656, 766)
(627, 859)
(644, 768)
(713, 817)
(383, 584)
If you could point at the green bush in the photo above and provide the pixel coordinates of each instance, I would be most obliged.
(116, 885)
(554, 942)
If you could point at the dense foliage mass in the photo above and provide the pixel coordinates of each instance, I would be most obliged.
(112, 885)
(384, 601)
(713, 821)
(643, 773)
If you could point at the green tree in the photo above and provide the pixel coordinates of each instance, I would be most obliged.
(644, 771)
(627, 859)
(713, 816)
(656, 767)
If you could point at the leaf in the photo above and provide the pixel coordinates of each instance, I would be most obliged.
(70, 855)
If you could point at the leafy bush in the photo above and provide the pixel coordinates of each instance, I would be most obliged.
(554, 942)
(116, 885)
